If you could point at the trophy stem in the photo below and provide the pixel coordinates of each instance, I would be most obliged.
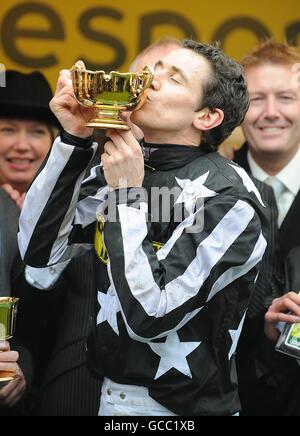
(6, 377)
(108, 119)
(8, 313)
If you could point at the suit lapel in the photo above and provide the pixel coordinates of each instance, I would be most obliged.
(290, 229)
(289, 233)
(241, 158)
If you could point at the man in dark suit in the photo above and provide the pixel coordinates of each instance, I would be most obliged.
(272, 130)
(271, 154)
(286, 309)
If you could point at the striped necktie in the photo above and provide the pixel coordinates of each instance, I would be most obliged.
(279, 189)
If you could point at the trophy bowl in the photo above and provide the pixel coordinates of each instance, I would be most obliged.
(110, 94)
(8, 314)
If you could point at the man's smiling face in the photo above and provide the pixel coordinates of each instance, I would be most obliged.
(272, 123)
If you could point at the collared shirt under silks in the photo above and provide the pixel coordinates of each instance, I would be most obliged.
(286, 184)
(173, 283)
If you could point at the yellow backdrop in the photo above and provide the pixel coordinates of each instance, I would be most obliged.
(51, 34)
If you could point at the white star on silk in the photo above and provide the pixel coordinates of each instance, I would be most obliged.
(173, 355)
(109, 309)
(248, 183)
(192, 190)
(235, 336)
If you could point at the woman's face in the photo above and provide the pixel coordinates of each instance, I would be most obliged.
(23, 146)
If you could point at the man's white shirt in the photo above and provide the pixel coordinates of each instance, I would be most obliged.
(286, 183)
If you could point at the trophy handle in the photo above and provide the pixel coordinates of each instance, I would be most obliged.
(146, 76)
(145, 81)
(110, 94)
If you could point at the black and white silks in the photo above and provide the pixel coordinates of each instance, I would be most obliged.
(171, 301)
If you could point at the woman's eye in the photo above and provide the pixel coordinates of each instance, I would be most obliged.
(39, 132)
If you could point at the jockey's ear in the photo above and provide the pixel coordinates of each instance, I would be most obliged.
(207, 119)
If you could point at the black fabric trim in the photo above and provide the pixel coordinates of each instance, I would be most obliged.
(69, 139)
(91, 187)
(164, 157)
(241, 158)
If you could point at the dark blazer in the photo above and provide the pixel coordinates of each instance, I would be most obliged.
(266, 288)
(10, 269)
(292, 404)
(33, 307)
(287, 239)
(54, 326)
(68, 388)
(268, 379)
(293, 271)
(278, 393)
(9, 216)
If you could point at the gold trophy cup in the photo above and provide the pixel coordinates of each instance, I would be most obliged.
(8, 314)
(110, 94)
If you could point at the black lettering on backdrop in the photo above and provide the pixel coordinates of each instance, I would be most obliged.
(293, 33)
(11, 32)
(150, 21)
(118, 46)
(255, 26)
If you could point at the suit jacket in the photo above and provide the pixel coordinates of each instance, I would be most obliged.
(292, 405)
(9, 215)
(10, 269)
(68, 388)
(277, 393)
(48, 321)
(32, 309)
(268, 379)
(293, 270)
(287, 239)
(270, 275)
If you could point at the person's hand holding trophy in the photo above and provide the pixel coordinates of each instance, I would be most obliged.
(85, 99)
(8, 313)
(12, 379)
